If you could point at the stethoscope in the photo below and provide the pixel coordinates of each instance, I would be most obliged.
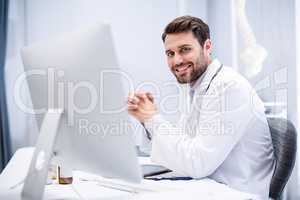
(214, 77)
(204, 93)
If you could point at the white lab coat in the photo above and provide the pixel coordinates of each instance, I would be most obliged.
(225, 136)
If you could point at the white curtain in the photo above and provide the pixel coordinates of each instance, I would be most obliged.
(23, 131)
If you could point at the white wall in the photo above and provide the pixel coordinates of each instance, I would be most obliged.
(221, 25)
(273, 23)
(137, 27)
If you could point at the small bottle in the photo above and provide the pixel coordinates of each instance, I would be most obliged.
(64, 175)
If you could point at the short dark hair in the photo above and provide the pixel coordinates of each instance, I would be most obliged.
(188, 23)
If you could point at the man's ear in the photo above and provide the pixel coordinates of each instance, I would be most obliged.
(207, 47)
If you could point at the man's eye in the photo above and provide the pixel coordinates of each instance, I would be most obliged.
(185, 49)
(170, 54)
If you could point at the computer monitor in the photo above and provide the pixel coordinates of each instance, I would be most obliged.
(79, 102)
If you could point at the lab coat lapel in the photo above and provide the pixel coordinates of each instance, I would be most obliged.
(201, 88)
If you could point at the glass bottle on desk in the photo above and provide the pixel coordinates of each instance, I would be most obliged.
(64, 175)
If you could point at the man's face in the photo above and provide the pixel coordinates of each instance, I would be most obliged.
(186, 58)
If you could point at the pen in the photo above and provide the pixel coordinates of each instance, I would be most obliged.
(157, 173)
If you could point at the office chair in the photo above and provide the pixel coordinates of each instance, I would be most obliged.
(284, 138)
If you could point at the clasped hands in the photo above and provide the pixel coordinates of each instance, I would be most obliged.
(141, 106)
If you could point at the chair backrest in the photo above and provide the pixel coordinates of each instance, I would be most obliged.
(284, 138)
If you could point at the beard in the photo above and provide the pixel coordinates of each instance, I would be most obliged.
(195, 71)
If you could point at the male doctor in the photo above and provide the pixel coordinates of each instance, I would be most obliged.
(225, 136)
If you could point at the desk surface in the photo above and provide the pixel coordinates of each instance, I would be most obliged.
(89, 186)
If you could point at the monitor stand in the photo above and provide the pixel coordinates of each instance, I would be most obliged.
(34, 184)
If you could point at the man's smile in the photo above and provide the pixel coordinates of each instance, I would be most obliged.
(183, 69)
